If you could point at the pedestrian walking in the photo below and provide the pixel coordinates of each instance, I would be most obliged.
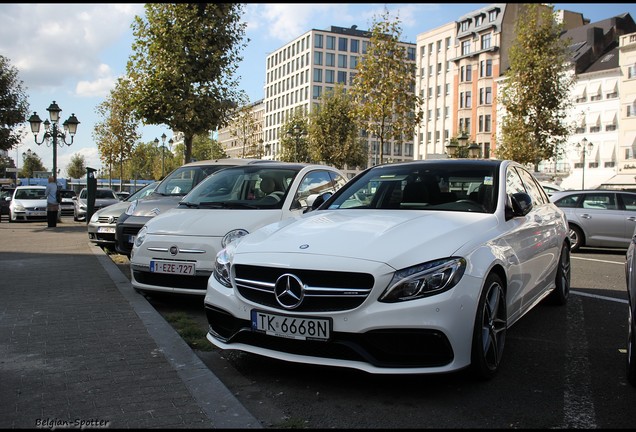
(51, 203)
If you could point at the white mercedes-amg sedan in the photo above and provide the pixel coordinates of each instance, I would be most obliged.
(410, 268)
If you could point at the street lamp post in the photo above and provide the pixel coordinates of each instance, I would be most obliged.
(456, 148)
(52, 135)
(295, 132)
(163, 150)
(584, 148)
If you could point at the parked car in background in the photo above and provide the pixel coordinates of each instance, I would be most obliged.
(551, 188)
(122, 195)
(630, 278)
(401, 271)
(28, 203)
(103, 198)
(67, 205)
(101, 226)
(5, 199)
(598, 218)
(167, 195)
(175, 251)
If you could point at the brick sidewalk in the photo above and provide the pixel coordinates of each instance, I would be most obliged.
(78, 347)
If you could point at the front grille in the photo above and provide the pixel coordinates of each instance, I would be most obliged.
(384, 348)
(199, 282)
(323, 290)
(104, 219)
(128, 230)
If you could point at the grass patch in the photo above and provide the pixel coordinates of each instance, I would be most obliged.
(189, 330)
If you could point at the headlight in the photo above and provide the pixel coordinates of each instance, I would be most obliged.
(94, 218)
(223, 263)
(18, 207)
(131, 208)
(82, 206)
(141, 236)
(232, 236)
(424, 280)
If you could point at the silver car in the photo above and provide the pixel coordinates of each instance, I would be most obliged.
(101, 227)
(103, 198)
(598, 218)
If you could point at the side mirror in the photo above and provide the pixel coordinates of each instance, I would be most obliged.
(74, 198)
(320, 199)
(521, 204)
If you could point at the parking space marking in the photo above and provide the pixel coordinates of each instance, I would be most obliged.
(622, 263)
(578, 404)
(617, 300)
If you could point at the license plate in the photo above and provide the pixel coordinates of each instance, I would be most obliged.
(172, 267)
(107, 230)
(302, 328)
(36, 213)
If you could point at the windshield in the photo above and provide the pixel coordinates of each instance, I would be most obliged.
(32, 193)
(105, 194)
(182, 180)
(249, 186)
(143, 192)
(448, 186)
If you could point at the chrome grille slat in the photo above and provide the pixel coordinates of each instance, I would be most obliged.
(323, 290)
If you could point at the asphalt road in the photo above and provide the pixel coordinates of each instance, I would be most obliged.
(564, 367)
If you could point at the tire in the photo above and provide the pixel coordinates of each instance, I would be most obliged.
(561, 292)
(631, 351)
(489, 334)
(577, 239)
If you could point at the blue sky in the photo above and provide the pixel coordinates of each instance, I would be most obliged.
(73, 53)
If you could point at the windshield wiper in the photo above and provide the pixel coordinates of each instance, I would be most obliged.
(226, 205)
(190, 204)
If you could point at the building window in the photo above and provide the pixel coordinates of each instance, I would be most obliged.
(485, 68)
(343, 44)
(610, 127)
(365, 46)
(448, 43)
(330, 59)
(492, 15)
(342, 61)
(353, 62)
(317, 75)
(317, 91)
(464, 25)
(631, 71)
(439, 68)
(430, 92)
(479, 20)
(318, 41)
(468, 102)
(439, 46)
(329, 76)
(331, 42)
(466, 47)
(594, 129)
(318, 58)
(485, 41)
(485, 96)
(410, 53)
(342, 77)
(439, 91)
(355, 45)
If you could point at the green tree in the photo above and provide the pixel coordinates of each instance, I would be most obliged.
(117, 132)
(31, 162)
(535, 94)
(247, 130)
(14, 107)
(145, 162)
(182, 66)
(333, 134)
(77, 166)
(293, 138)
(385, 103)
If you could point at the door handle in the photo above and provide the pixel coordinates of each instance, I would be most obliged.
(631, 218)
(586, 216)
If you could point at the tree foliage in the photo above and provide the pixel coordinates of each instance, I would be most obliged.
(77, 166)
(333, 134)
(183, 64)
(385, 103)
(117, 132)
(293, 138)
(535, 94)
(31, 163)
(14, 107)
(247, 130)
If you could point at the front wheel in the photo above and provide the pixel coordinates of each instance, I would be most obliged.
(577, 238)
(489, 334)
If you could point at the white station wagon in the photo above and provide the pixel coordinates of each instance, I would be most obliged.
(175, 251)
(417, 267)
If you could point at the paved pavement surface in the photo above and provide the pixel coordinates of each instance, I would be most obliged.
(79, 348)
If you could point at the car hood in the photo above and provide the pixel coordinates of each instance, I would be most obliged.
(155, 206)
(210, 222)
(384, 236)
(114, 209)
(30, 202)
(101, 202)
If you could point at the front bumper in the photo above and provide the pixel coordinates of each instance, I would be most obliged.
(429, 335)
